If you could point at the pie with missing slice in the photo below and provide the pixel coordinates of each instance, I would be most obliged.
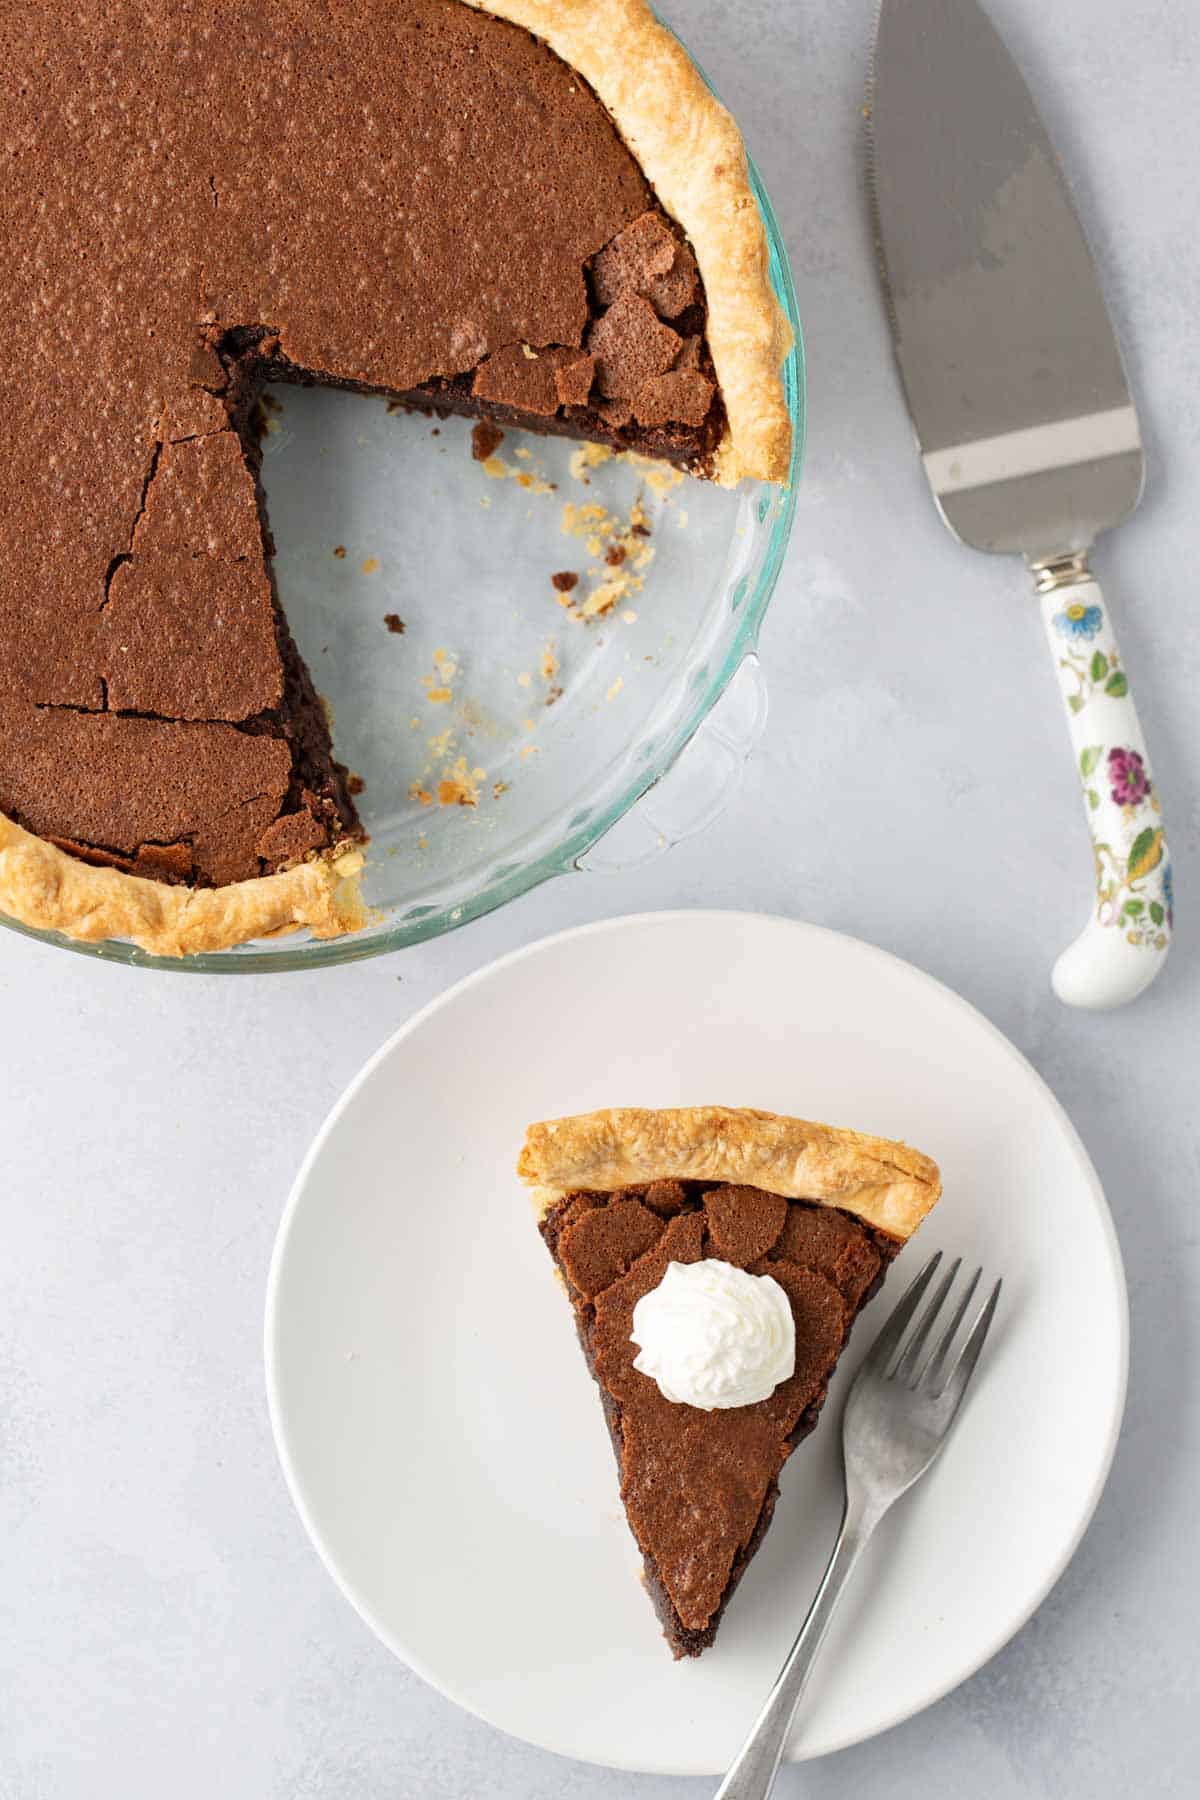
(531, 211)
(697, 1246)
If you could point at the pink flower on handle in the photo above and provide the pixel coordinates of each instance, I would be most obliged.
(1127, 773)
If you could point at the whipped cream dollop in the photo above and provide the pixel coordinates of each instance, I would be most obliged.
(712, 1335)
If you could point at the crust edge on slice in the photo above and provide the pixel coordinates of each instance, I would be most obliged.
(42, 887)
(883, 1182)
(691, 152)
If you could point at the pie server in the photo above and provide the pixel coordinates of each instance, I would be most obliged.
(1023, 415)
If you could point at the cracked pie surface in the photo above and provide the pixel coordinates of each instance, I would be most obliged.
(530, 211)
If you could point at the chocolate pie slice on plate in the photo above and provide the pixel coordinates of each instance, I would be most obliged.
(716, 1261)
(530, 211)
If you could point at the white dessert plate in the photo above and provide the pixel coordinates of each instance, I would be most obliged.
(444, 1442)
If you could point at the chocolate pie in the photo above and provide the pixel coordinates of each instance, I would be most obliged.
(624, 1195)
(527, 211)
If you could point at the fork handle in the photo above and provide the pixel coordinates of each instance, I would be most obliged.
(752, 1774)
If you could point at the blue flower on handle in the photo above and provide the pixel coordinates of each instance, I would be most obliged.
(1168, 882)
(1079, 621)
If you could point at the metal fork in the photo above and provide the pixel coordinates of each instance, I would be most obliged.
(897, 1418)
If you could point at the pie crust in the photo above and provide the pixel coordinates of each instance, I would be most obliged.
(692, 154)
(885, 1184)
(42, 886)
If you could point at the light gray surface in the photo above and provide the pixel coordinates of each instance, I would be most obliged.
(164, 1627)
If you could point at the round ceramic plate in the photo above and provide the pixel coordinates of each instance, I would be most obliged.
(444, 1442)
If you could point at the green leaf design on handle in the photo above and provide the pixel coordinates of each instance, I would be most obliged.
(1093, 798)
(1156, 912)
(1132, 908)
(1145, 852)
(1116, 685)
(1075, 702)
(1089, 757)
(1099, 666)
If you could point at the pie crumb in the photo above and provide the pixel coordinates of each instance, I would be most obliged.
(437, 686)
(620, 549)
(588, 456)
(459, 786)
(497, 469)
(583, 519)
(662, 477)
(486, 438)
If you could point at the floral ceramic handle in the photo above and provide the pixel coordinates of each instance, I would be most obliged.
(1124, 944)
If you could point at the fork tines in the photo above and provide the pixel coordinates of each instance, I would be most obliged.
(899, 1354)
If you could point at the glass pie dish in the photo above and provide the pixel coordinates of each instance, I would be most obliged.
(508, 726)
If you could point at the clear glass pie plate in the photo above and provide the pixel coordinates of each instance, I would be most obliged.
(502, 735)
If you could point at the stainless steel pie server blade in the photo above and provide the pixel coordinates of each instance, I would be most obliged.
(1009, 358)
(1023, 413)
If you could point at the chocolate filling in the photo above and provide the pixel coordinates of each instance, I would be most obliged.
(700, 1488)
(422, 203)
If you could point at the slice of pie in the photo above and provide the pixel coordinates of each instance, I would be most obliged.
(531, 211)
(793, 1226)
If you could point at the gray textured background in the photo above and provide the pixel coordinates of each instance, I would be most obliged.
(164, 1627)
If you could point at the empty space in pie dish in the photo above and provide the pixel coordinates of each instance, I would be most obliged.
(506, 703)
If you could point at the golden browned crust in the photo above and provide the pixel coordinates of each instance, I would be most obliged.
(692, 154)
(42, 886)
(885, 1184)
